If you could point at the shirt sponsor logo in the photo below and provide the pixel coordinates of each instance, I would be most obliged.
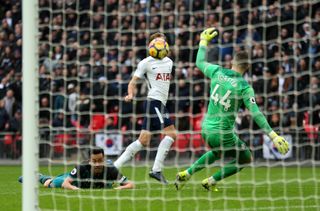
(163, 77)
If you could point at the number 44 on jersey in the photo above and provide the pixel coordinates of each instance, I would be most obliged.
(224, 101)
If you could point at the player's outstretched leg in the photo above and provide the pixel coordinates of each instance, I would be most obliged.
(241, 157)
(226, 171)
(42, 178)
(206, 159)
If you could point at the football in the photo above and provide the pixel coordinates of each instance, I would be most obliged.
(158, 48)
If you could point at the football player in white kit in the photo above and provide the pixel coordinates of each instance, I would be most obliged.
(157, 73)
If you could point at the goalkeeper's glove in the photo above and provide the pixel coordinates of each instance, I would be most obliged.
(207, 35)
(281, 144)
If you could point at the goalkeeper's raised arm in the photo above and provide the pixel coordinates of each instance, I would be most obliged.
(206, 36)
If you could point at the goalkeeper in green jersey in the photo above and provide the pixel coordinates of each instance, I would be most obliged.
(228, 92)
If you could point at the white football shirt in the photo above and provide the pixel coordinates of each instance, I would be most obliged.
(157, 74)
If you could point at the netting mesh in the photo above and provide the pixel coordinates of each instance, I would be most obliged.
(88, 52)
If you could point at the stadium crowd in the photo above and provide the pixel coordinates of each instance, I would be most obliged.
(89, 49)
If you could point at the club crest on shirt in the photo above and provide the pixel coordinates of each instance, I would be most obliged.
(252, 100)
(163, 76)
(74, 171)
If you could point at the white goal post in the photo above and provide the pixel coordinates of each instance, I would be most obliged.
(30, 105)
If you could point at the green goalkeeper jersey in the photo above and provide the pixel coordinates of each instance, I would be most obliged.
(228, 91)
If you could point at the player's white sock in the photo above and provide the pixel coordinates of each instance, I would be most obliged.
(128, 154)
(163, 150)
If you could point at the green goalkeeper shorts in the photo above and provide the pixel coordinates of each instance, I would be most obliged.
(222, 140)
(227, 144)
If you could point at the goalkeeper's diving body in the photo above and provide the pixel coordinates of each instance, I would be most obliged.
(95, 173)
(228, 91)
(157, 73)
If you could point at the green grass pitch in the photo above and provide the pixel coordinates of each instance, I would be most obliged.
(260, 188)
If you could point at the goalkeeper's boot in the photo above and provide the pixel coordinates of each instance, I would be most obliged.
(181, 179)
(209, 186)
(158, 176)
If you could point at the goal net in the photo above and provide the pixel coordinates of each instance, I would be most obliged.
(88, 52)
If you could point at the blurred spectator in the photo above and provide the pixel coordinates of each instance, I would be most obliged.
(61, 121)
(59, 99)
(183, 95)
(312, 98)
(227, 48)
(4, 85)
(284, 81)
(10, 102)
(16, 87)
(182, 121)
(110, 124)
(84, 107)
(72, 101)
(44, 113)
(4, 116)
(274, 121)
(15, 123)
(100, 91)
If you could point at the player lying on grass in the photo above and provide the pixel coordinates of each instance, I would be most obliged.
(157, 73)
(228, 92)
(89, 174)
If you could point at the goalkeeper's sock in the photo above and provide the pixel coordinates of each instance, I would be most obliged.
(206, 159)
(128, 154)
(163, 150)
(229, 169)
(43, 178)
(211, 181)
(209, 184)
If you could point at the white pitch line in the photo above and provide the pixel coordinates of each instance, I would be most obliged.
(271, 208)
(51, 210)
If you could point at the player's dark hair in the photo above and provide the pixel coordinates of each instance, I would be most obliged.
(156, 35)
(95, 151)
(241, 60)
